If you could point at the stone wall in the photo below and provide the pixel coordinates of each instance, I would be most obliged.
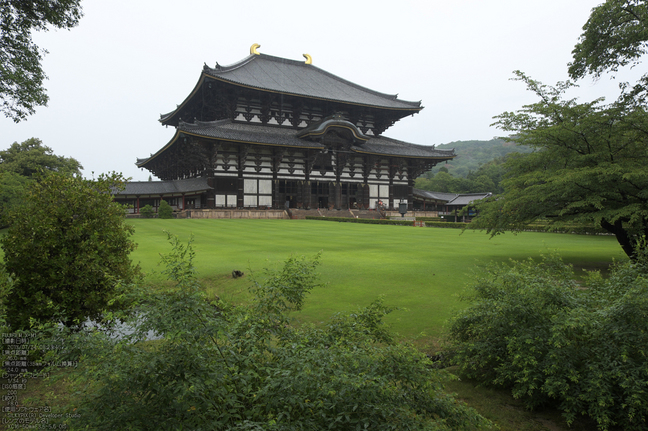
(235, 213)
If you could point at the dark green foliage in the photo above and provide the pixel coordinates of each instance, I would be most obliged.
(220, 367)
(147, 211)
(21, 75)
(68, 248)
(13, 188)
(18, 165)
(165, 210)
(589, 166)
(31, 157)
(532, 329)
(6, 285)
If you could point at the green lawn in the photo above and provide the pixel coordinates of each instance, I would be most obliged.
(420, 269)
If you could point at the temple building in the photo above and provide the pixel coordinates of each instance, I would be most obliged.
(269, 132)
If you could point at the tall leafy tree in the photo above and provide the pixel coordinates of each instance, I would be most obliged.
(590, 158)
(20, 162)
(21, 73)
(68, 248)
(31, 156)
(589, 166)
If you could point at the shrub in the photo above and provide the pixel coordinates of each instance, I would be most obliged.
(67, 248)
(165, 211)
(147, 211)
(532, 329)
(217, 366)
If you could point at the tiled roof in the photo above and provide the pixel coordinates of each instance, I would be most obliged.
(190, 185)
(248, 133)
(468, 198)
(435, 195)
(286, 76)
(287, 137)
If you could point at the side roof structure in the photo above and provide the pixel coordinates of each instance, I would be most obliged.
(189, 185)
(467, 199)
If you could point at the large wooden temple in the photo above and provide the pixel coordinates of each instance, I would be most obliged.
(269, 132)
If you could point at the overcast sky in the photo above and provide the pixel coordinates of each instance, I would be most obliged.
(129, 61)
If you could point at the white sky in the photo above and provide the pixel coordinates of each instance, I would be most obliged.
(129, 61)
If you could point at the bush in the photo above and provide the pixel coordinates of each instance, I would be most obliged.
(217, 366)
(532, 329)
(147, 211)
(165, 211)
(67, 248)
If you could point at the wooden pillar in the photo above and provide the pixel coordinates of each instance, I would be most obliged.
(137, 206)
(391, 173)
(275, 193)
(307, 183)
(242, 156)
(410, 193)
(300, 194)
(307, 194)
(337, 190)
(365, 196)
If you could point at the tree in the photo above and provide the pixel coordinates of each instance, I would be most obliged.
(589, 166)
(222, 367)
(31, 156)
(614, 36)
(18, 165)
(67, 247)
(21, 74)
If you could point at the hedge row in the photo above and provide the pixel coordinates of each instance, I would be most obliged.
(580, 230)
(363, 220)
(427, 219)
(447, 224)
(430, 222)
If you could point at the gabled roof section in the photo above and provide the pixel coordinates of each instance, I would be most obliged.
(281, 75)
(319, 129)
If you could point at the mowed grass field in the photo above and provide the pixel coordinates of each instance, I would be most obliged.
(422, 270)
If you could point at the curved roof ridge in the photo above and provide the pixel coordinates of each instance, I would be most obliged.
(232, 66)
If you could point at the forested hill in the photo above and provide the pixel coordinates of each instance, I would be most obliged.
(472, 154)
